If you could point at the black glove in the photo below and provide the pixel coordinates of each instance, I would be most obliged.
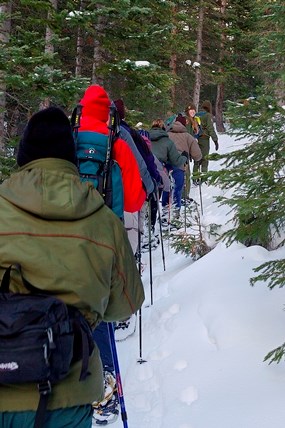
(216, 145)
(185, 154)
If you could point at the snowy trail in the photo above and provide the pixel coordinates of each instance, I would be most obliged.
(204, 339)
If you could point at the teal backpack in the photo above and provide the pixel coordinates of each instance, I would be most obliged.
(169, 122)
(96, 165)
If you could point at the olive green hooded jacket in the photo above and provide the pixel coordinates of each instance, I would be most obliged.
(164, 148)
(67, 241)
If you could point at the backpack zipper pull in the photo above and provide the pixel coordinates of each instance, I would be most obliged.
(50, 338)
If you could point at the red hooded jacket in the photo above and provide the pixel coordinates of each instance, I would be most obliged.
(95, 114)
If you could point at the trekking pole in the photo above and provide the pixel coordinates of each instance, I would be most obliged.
(184, 184)
(139, 250)
(114, 130)
(150, 254)
(140, 360)
(201, 200)
(118, 375)
(113, 134)
(160, 229)
(200, 185)
(170, 205)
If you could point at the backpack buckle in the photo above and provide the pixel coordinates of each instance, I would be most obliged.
(44, 388)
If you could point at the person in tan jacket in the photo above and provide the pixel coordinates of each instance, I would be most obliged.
(184, 142)
(69, 243)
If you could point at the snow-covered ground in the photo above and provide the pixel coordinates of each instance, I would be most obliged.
(205, 337)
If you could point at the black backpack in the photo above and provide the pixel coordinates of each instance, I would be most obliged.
(40, 337)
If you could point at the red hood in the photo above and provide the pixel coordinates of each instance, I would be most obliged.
(95, 112)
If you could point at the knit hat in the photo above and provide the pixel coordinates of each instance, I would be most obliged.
(96, 103)
(120, 106)
(190, 106)
(181, 119)
(206, 105)
(48, 134)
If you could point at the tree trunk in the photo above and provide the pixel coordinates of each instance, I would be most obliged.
(98, 57)
(221, 85)
(197, 84)
(79, 45)
(49, 50)
(219, 107)
(173, 68)
(5, 28)
(173, 61)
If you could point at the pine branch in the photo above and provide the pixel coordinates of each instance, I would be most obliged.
(273, 272)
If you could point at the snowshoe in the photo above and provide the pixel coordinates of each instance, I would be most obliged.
(154, 243)
(174, 224)
(187, 201)
(107, 411)
(124, 329)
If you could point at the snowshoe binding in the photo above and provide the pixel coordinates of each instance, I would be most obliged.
(107, 411)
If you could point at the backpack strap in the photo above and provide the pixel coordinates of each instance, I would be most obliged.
(84, 342)
(114, 131)
(75, 120)
(44, 391)
(5, 283)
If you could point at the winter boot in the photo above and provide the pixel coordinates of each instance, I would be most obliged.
(107, 410)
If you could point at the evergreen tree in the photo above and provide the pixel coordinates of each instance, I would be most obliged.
(256, 173)
(31, 72)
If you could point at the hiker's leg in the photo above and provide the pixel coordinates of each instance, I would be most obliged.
(178, 175)
(205, 148)
(17, 419)
(153, 210)
(166, 194)
(187, 178)
(165, 198)
(101, 337)
(196, 169)
(70, 417)
(131, 226)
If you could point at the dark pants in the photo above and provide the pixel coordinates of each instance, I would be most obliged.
(153, 208)
(202, 165)
(101, 337)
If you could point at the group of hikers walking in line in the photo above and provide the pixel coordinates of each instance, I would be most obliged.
(71, 224)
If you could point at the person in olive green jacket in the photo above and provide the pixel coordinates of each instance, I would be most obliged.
(163, 147)
(67, 242)
(207, 131)
(166, 152)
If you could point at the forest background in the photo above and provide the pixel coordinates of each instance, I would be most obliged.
(160, 55)
(157, 55)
